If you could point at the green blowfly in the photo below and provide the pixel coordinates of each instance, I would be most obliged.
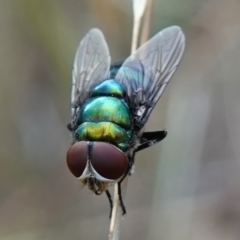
(110, 104)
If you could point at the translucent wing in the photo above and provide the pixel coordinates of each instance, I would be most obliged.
(91, 64)
(146, 73)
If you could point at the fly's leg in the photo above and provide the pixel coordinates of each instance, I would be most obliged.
(110, 202)
(150, 138)
(69, 127)
(130, 164)
(120, 189)
(120, 199)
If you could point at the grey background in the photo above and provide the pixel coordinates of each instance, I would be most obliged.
(186, 187)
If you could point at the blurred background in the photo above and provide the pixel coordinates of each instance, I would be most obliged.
(186, 187)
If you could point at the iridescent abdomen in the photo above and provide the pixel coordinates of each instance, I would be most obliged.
(107, 109)
(105, 116)
(104, 131)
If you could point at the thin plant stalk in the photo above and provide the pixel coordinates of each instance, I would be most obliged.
(138, 11)
(146, 22)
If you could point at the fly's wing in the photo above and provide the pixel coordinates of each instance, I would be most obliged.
(146, 73)
(91, 65)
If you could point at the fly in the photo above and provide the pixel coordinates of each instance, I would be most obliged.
(110, 105)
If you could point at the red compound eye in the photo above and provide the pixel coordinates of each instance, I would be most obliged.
(108, 161)
(77, 158)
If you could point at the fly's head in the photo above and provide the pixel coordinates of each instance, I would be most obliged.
(96, 164)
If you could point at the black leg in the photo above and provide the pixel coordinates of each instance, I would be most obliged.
(131, 161)
(110, 201)
(120, 199)
(69, 127)
(150, 138)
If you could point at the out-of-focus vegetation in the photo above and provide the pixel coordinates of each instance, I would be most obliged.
(187, 187)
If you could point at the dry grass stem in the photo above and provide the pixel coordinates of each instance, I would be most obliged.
(138, 11)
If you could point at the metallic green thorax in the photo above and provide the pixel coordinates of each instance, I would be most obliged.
(105, 116)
